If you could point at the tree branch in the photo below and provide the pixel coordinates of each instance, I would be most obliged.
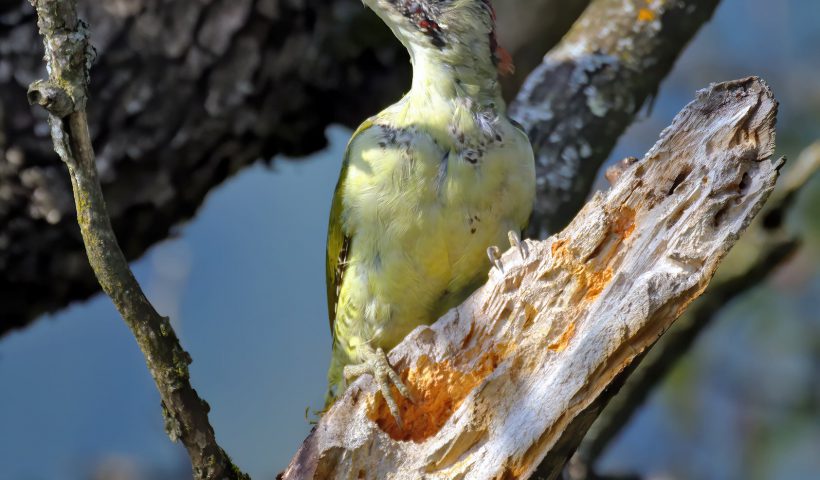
(64, 96)
(512, 378)
(586, 92)
(759, 252)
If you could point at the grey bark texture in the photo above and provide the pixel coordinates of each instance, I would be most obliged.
(186, 93)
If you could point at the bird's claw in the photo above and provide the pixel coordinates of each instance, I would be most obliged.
(375, 363)
(515, 242)
(494, 254)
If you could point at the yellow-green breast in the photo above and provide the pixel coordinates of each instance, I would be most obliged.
(423, 192)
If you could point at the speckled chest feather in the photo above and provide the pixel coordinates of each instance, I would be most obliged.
(426, 194)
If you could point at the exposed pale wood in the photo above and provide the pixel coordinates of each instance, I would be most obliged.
(766, 246)
(514, 376)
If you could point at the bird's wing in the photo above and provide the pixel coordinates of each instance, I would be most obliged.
(338, 240)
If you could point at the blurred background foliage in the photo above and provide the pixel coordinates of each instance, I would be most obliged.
(244, 285)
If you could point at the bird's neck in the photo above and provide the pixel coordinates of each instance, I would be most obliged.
(439, 80)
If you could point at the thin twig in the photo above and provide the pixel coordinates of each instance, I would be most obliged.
(64, 96)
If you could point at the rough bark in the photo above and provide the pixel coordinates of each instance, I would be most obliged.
(186, 93)
(511, 379)
(64, 96)
(761, 251)
(586, 92)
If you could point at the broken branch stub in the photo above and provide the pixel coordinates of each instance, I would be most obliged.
(500, 382)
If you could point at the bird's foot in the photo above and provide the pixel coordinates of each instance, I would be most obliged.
(515, 242)
(374, 362)
(494, 253)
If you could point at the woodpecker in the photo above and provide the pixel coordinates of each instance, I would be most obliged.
(427, 187)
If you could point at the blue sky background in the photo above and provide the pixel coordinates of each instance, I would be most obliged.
(244, 285)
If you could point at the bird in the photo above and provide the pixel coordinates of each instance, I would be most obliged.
(427, 188)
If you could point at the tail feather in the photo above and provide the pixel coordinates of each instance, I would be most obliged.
(335, 381)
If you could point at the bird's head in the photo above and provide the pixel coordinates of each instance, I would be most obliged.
(451, 30)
